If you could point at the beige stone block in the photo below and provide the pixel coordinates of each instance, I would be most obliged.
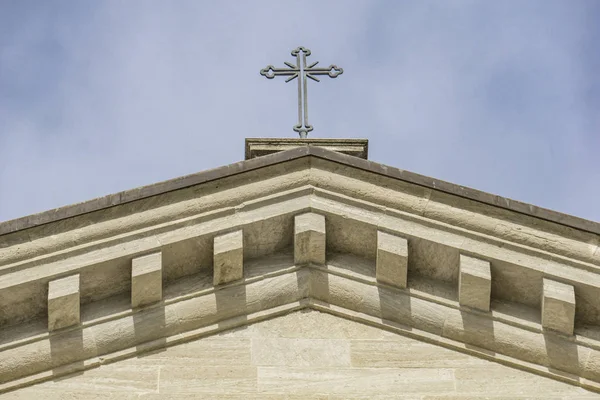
(223, 395)
(407, 353)
(258, 147)
(436, 257)
(510, 382)
(117, 379)
(208, 351)
(558, 306)
(306, 396)
(146, 279)
(228, 257)
(63, 302)
(363, 396)
(201, 379)
(301, 352)
(474, 283)
(348, 381)
(392, 259)
(310, 324)
(309, 239)
(543, 396)
(75, 394)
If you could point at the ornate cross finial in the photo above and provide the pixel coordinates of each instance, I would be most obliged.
(301, 71)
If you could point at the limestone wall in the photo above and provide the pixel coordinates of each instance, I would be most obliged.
(304, 355)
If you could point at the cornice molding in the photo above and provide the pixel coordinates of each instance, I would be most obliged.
(291, 288)
(518, 262)
(254, 164)
(344, 209)
(232, 200)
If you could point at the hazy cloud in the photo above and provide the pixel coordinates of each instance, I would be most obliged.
(98, 97)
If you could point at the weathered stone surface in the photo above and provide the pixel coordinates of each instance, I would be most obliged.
(258, 147)
(309, 238)
(63, 302)
(348, 292)
(214, 379)
(558, 306)
(392, 259)
(132, 332)
(386, 352)
(304, 355)
(146, 279)
(355, 201)
(30, 264)
(228, 257)
(301, 352)
(475, 283)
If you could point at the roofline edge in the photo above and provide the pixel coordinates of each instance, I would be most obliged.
(127, 196)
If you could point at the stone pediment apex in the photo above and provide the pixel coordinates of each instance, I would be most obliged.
(259, 147)
(302, 228)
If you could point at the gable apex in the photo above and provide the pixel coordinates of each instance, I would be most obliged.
(289, 155)
(303, 228)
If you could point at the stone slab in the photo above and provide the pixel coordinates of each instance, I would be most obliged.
(258, 147)
(392, 353)
(64, 302)
(475, 283)
(558, 306)
(300, 352)
(375, 381)
(119, 380)
(228, 258)
(190, 379)
(146, 279)
(211, 351)
(309, 239)
(392, 259)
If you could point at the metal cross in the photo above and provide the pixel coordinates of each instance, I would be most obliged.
(304, 71)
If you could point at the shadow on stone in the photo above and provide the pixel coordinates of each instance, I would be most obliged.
(478, 331)
(562, 354)
(317, 283)
(395, 306)
(149, 326)
(352, 265)
(67, 352)
(231, 303)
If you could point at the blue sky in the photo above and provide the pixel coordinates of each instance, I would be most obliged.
(102, 96)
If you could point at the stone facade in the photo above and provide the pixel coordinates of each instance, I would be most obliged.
(305, 355)
(87, 290)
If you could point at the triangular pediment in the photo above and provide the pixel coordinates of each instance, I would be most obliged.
(305, 229)
(304, 355)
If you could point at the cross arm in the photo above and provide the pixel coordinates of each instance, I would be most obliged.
(333, 71)
(271, 72)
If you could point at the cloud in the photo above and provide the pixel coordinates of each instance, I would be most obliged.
(101, 97)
